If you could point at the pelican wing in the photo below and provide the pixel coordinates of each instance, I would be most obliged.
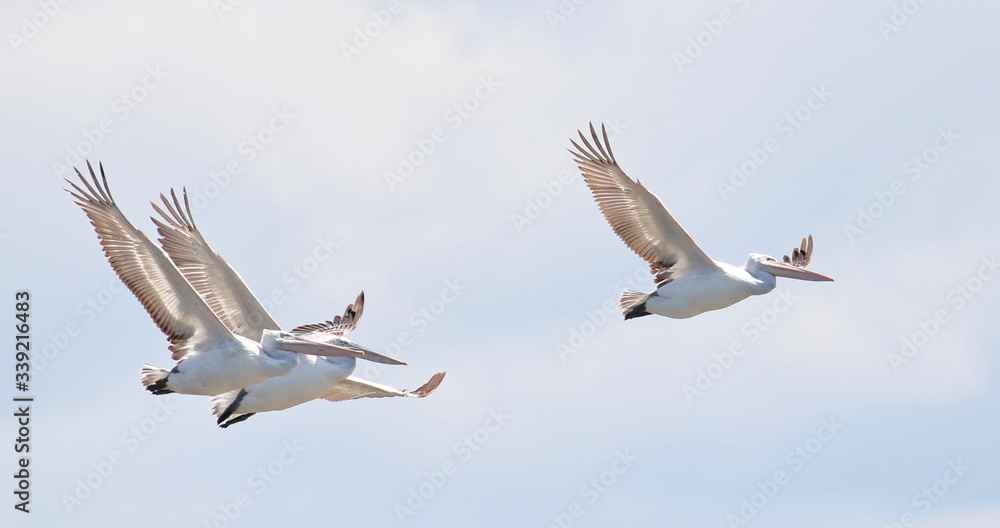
(802, 254)
(340, 325)
(636, 215)
(147, 271)
(211, 276)
(354, 388)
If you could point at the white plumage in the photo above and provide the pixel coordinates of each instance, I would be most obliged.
(228, 296)
(688, 281)
(211, 358)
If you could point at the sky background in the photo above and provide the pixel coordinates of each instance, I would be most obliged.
(488, 259)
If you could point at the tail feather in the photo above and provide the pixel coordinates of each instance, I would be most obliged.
(225, 406)
(633, 304)
(155, 379)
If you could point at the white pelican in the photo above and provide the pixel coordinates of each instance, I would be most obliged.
(688, 282)
(210, 358)
(228, 296)
(315, 377)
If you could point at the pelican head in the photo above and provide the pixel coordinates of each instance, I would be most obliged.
(278, 340)
(777, 268)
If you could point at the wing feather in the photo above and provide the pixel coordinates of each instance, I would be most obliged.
(636, 215)
(340, 325)
(802, 254)
(211, 276)
(354, 388)
(173, 304)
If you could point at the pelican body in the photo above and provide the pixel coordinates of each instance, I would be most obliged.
(228, 365)
(688, 281)
(690, 295)
(315, 377)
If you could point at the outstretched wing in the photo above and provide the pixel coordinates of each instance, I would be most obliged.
(636, 215)
(340, 325)
(147, 272)
(211, 276)
(802, 254)
(354, 388)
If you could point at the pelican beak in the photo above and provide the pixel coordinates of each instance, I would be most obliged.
(305, 346)
(780, 269)
(372, 355)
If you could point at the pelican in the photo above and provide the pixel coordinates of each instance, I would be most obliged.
(228, 296)
(211, 359)
(315, 377)
(688, 282)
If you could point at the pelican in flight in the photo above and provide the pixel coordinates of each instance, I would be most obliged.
(211, 358)
(315, 377)
(229, 298)
(688, 282)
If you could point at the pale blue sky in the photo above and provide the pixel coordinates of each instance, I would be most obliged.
(490, 260)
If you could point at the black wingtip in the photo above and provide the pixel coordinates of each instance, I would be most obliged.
(232, 408)
(238, 419)
(159, 388)
(637, 311)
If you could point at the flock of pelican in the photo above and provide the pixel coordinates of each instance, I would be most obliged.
(228, 347)
(225, 343)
